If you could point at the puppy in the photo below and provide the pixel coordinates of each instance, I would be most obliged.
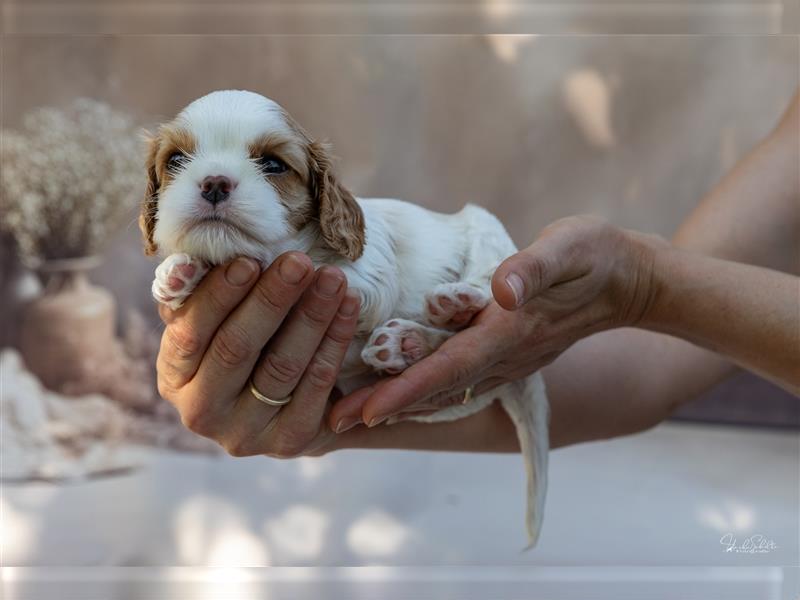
(235, 175)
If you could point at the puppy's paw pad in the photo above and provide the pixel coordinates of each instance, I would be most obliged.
(176, 278)
(396, 345)
(454, 304)
(180, 274)
(414, 347)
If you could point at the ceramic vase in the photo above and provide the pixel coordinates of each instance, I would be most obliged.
(68, 332)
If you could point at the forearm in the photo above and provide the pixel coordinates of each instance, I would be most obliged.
(753, 214)
(718, 315)
(749, 314)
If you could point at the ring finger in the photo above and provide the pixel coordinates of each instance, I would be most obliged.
(287, 355)
(288, 430)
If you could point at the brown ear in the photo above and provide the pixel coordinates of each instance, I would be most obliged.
(149, 212)
(340, 218)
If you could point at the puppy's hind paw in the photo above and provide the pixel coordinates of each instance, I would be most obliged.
(452, 305)
(176, 278)
(399, 343)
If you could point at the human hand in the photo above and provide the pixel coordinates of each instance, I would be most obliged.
(302, 320)
(580, 276)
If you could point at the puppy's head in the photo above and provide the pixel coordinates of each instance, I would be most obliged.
(233, 174)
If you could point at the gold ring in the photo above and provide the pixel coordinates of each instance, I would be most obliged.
(467, 395)
(265, 399)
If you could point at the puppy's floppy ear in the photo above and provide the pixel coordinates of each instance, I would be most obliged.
(149, 212)
(340, 217)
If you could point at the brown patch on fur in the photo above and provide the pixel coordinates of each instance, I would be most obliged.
(172, 139)
(169, 140)
(292, 186)
(147, 216)
(288, 149)
(340, 218)
(293, 193)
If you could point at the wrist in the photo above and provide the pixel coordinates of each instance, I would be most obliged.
(664, 259)
(647, 287)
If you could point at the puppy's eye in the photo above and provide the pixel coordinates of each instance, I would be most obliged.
(270, 165)
(176, 160)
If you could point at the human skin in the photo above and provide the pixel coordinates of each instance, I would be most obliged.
(616, 371)
(289, 327)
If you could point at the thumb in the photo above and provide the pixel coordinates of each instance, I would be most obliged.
(532, 271)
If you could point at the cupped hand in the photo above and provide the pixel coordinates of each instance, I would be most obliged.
(288, 327)
(582, 275)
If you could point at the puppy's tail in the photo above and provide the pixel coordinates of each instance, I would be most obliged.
(528, 410)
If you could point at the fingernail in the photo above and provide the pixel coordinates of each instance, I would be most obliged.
(240, 271)
(514, 281)
(376, 421)
(346, 423)
(292, 269)
(349, 305)
(329, 282)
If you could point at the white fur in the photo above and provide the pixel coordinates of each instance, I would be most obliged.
(415, 263)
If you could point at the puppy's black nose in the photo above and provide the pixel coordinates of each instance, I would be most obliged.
(216, 188)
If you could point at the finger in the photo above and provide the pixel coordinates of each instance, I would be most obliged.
(433, 377)
(302, 418)
(434, 404)
(477, 432)
(456, 364)
(488, 384)
(166, 313)
(439, 401)
(346, 412)
(190, 328)
(258, 428)
(233, 351)
(409, 415)
(288, 354)
(549, 260)
(445, 400)
(454, 397)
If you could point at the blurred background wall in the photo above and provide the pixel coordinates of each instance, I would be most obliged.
(387, 16)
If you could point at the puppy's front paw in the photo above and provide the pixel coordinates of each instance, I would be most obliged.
(176, 278)
(452, 305)
(399, 343)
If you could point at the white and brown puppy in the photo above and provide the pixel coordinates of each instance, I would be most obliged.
(234, 175)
